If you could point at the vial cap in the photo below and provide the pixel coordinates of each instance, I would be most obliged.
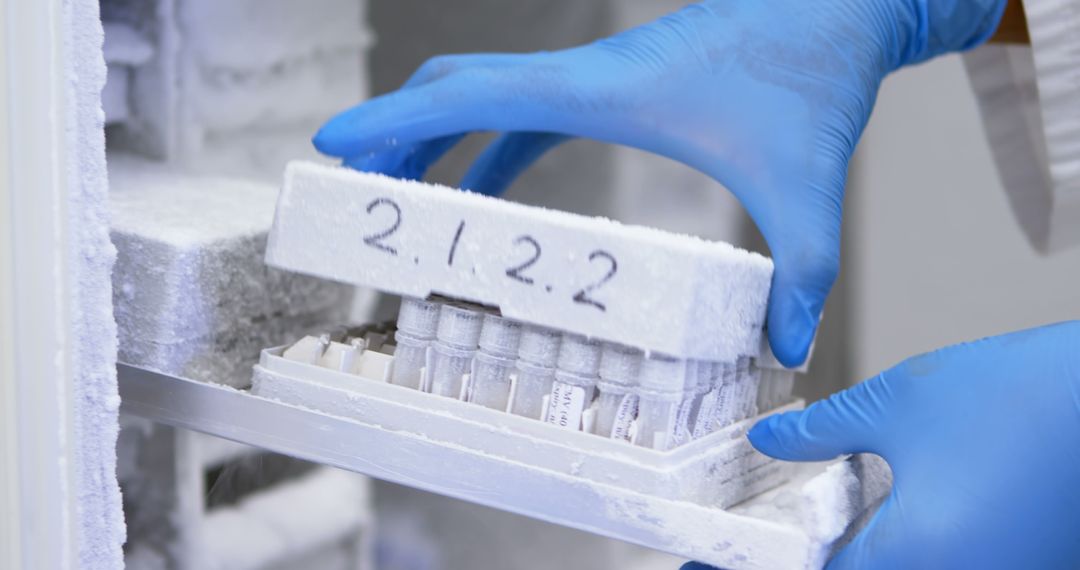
(660, 373)
(742, 367)
(727, 372)
(459, 327)
(620, 364)
(539, 346)
(579, 355)
(691, 374)
(418, 318)
(707, 371)
(500, 336)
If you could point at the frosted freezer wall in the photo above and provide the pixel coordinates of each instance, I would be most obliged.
(204, 103)
(91, 492)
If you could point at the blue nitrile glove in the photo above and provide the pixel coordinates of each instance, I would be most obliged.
(984, 442)
(767, 96)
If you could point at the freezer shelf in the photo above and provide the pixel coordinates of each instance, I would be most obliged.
(759, 533)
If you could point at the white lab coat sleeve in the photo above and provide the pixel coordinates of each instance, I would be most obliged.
(1029, 97)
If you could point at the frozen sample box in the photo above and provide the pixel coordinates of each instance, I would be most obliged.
(651, 290)
(191, 293)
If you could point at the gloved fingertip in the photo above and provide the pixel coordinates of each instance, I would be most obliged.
(328, 139)
(782, 436)
(792, 326)
(763, 437)
(696, 566)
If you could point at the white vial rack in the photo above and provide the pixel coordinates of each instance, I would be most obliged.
(716, 471)
(639, 287)
(794, 526)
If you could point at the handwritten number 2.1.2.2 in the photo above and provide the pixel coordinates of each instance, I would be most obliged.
(582, 296)
(516, 271)
(376, 239)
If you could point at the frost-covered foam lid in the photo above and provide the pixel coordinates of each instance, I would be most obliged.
(459, 327)
(636, 286)
(661, 373)
(579, 355)
(500, 336)
(539, 346)
(620, 364)
(418, 318)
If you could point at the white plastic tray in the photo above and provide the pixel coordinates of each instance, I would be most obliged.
(672, 501)
(763, 532)
(718, 470)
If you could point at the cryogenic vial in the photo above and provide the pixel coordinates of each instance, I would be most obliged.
(726, 405)
(455, 346)
(705, 415)
(576, 374)
(682, 417)
(777, 381)
(776, 387)
(660, 391)
(308, 349)
(494, 362)
(617, 404)
(698, 383)
(538, 351)
(416, 326)
(753, 386)
(744, 392)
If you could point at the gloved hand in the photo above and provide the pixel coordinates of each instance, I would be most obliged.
(984, 442)
(767, 96)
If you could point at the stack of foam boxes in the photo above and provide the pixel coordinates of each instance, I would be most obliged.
(193, 298)
(205, 101)
(258, 78)
(230, 86)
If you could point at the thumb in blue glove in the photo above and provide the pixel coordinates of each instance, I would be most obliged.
(768, 97)
(984, 442)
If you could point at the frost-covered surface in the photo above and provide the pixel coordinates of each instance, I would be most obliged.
(322, 26)
(671, 293)
(830, 507)
(193, 296)
(247, 111)
(320, 512)
(234, 87)
(125, 45)
(100, 526)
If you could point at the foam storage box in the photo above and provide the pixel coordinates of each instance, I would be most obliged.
(637, 286)
(196, 299)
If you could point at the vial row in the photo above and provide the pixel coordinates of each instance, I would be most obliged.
(464, 352)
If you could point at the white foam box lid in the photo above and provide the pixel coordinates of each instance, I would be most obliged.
(637, 286)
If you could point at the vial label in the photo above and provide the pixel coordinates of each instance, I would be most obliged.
(566, 406)
(624, 417)
(682, 422)
(723, 413)
(705, 416)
